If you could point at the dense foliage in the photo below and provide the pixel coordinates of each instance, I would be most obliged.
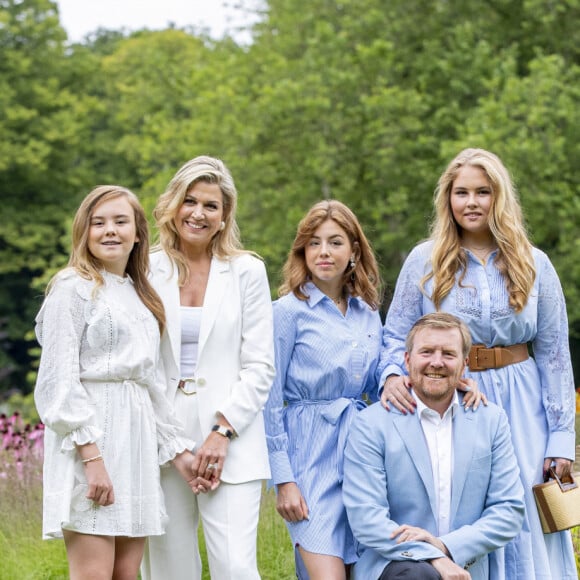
(361, 100)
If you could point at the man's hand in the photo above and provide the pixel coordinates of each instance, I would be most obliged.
(290, 503)
(449, 570)
(408, 533)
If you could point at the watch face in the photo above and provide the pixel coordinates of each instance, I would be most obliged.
(223, 431)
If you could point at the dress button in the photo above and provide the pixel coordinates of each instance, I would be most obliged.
(200, 382)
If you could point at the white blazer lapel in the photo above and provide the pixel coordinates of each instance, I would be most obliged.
(217, 284)
(166, 284)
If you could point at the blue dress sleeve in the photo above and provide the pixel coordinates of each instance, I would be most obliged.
(277, 439)
(405, 309)
(552, 355)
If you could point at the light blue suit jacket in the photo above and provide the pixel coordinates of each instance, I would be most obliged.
(388, 482)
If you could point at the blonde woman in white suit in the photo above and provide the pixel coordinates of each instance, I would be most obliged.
(219, 363)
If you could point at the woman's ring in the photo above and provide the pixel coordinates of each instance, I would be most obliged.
(211, 466)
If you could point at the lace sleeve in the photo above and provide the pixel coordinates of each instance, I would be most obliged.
(405, 309)
(552, 354)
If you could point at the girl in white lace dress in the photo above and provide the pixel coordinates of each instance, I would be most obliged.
(100, 395)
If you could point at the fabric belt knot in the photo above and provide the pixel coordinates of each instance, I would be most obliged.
(482, 358)
(342, 410)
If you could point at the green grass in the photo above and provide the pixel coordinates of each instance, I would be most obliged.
(25, 556)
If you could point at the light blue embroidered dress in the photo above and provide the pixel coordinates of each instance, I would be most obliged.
(537, 394)
(324, 363)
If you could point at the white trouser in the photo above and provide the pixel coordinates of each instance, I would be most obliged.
(229, 516)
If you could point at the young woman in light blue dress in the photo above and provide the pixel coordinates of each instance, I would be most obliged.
(327, 338)
(480, 266)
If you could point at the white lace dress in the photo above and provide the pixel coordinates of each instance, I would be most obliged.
(99, 381)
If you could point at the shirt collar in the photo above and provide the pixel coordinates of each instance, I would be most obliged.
(421, 407)
(315, 295)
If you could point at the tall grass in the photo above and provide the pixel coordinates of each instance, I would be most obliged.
(24, 556)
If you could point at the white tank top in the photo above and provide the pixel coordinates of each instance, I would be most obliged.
(190, 326)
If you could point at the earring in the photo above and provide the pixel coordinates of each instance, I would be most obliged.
(222, 225)
(351, 262)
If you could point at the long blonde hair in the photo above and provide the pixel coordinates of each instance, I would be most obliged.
(226, 243)
(361, 280)
(89, 267)
(514, 258)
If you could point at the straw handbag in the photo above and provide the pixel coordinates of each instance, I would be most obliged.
(558, 502)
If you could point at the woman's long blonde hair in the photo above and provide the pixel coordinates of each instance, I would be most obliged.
(89, 267)
(361, 280)
(514, 258)
(226, 243)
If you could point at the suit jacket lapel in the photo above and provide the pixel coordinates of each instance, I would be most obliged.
(217, 284)
(463, 430)
(409, 427)
(168, 290)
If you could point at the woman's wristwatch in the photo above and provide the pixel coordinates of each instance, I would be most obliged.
(223, 431)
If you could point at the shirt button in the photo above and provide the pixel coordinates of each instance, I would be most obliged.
(354, 344)
(200, 382)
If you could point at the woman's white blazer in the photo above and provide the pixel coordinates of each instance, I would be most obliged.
(235, 366)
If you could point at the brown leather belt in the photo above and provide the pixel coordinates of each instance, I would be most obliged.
(482, 358)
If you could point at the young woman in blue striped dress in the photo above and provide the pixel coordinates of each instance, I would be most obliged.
(327, 336)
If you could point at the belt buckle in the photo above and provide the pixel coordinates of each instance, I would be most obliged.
(183, 382)
(474, 363)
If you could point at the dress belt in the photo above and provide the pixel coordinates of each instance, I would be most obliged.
(182, 385)
(495, 357)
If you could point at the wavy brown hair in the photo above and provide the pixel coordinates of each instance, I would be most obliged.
(362, 280)
(89, 267)
(226, 243)
(514, 258)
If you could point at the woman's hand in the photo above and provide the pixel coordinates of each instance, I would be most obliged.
(396, 392)
(562, 467)
(100, 484)
(290, 503)
(184, 462)
(474, 396)
(209, 459)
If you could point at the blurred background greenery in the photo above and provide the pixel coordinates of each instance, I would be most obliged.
(360, 100)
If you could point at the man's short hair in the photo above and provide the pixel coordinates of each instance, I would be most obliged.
(444, 321)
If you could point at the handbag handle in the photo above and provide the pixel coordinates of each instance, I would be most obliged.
(566, 483)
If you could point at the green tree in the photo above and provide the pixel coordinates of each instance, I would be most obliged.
(43, 132)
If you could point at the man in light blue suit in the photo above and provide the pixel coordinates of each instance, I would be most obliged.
(430, 495)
